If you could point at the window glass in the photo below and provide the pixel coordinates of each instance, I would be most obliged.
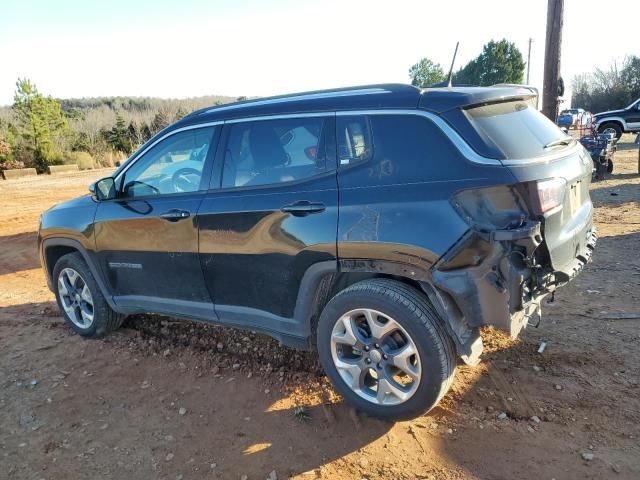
(354, 139)
(273, 151)
(409, 148)
(174, 165)
(401, 149)
(517, 128)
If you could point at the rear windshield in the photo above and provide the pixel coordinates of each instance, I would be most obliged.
(516, 128)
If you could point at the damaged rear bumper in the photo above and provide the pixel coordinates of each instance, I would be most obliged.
(506, 276)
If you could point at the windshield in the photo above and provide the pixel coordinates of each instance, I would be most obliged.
(517, 129)
(636, 103)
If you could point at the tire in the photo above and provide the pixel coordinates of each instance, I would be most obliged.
(89, 314)
(430, 371)
(611, 125)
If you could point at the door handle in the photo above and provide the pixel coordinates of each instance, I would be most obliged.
(174, 215)
(302, 208)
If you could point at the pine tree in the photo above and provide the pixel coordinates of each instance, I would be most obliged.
(499, 62)
(181, 112)
(146, 132)
(161, 120)
(41, 123)
(118, 136)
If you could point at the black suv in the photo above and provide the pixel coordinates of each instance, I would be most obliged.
(382, 225)
(626, 120)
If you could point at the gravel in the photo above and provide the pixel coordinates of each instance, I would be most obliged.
(224, 347)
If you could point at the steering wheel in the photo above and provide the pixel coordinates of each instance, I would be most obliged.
(183, 180)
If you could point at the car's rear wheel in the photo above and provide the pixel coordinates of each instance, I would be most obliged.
(385, 350)
(611, 128)
(84, 307)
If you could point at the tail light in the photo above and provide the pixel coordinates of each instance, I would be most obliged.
(491, 208)
(550, 194)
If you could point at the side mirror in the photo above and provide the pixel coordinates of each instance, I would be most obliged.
(104, 189)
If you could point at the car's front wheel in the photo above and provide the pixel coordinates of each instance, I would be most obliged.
(84, 307)
(385, 350)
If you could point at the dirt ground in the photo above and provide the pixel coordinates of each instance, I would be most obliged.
(162, 399)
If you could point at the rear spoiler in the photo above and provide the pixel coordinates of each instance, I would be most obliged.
(442, 99)
(534, 90)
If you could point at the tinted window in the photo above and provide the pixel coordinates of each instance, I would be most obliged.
(402, 149)
(174, 165)
(273, 151)
(354, 139)
(516, 128)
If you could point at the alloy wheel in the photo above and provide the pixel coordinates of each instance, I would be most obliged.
(75, 297)
(375, 357)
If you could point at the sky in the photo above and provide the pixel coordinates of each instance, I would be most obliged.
(187, 48)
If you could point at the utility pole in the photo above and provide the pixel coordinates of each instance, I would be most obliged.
(553, 42)
(529, 59)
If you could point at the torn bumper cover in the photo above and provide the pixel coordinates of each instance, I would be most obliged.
(500, 278)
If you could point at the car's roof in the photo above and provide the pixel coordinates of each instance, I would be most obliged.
(367, 97)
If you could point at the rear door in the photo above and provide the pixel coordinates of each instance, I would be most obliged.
(147, 238)
(272, 213)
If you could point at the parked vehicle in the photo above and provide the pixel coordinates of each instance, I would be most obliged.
(566, 119)
(575, 118)
(382, 225)
(626, 120)
(571, 116)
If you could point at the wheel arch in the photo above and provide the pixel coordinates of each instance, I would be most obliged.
(617, 120)
(325, 280)
(55, 248)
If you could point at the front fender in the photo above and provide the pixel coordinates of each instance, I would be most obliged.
(69, 243)
(619, 120)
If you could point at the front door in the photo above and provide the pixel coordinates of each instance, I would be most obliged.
(147, 238)
(633, 117)
(274, 215)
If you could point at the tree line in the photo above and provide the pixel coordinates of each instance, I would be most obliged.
(607, 88)
(38, 130)
(499, 62)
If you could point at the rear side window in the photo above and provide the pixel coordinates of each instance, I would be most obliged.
(517, 129)
(274, 151)
(397, 149)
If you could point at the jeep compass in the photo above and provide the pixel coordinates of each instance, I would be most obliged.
(382, 225)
